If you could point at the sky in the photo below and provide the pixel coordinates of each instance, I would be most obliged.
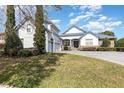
(90, 18)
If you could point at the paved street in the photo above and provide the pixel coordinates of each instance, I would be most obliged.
(115, 57)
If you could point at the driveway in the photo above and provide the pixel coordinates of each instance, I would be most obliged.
(115, 57)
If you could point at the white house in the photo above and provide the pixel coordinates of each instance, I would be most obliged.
(26, 31)
(76, 38)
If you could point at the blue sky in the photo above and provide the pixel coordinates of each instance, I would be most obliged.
(90, 18)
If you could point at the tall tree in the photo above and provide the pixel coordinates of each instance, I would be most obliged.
(108, 33)
(39, 39)
(10, 23)
(12, 41)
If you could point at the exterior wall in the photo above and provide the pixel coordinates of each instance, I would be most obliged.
(73, 30)
(89, 36)
(25, 36)
(56, 42)
(28, 42)
(112, 44)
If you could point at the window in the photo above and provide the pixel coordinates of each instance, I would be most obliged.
(29, 28)
(89, 42)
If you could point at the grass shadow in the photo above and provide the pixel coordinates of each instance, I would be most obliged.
(29, 73)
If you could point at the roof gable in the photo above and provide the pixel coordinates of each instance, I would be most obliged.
(74, 30)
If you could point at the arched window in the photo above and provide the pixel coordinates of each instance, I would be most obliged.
(29, 28)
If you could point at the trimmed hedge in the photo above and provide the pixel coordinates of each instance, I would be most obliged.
(106, 49)
(87, 48)
(24, 53)
(66, 48)
(120, 49)
(111, 49)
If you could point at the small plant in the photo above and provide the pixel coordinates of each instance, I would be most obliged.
(120, 49)
(66, 47)
(24, 53)
(106, 49)
(35, 52)
(87, 48)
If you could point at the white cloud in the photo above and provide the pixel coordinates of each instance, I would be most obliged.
(102, 18)
(101, 25)
(113, 23)
(74, 6)
(87, 12)
(78, 18)
(90, 8)
(94, 20)
(71, 14)
(56, 21)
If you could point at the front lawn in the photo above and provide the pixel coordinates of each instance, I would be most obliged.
(60, 70)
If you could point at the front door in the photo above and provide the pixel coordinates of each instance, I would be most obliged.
(76, 44)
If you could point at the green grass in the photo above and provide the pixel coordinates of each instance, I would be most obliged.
(60, 70)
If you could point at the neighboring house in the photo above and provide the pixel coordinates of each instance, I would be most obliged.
(2, 38)
(76, 38)
(26, 30)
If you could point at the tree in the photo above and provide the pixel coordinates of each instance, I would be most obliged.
(13, 44)
(39, 37)
(108, 33)
(12, 41)
(105, 43)
(120, 42)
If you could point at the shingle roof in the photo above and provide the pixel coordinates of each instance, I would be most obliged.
(73, 34)
(100, 36)
(31, 19)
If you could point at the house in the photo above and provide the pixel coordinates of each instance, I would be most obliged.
(26, 30)
(76, 38)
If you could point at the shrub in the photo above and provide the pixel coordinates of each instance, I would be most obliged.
(35, 52)
(106, 49)
(1, 53)
(66, 48)
(87, 48)
(1, 46)
(120, 42)
(120, 49)
(105, 43)
(24, 53)
(12, 44)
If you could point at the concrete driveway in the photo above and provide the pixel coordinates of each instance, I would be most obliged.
(115, 57)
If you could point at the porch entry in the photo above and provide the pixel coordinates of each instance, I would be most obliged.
(74, 43)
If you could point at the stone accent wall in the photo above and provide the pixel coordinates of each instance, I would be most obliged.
(112, 44)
